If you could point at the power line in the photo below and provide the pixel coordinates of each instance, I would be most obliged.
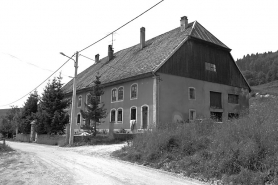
(85, 49)
(40, 83)
(123, 25)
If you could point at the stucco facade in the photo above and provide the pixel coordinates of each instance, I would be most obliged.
(144, 99)
(174, 102)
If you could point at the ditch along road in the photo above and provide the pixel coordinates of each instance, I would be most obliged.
(46, 165)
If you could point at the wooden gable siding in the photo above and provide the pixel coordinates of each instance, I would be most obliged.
(189, 61)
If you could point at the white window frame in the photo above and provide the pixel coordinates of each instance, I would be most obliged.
(136, 91)
(118, 93)
(78, 114)
(115, 115)
(136, 113)
(193, 115)
(80, 96)
(189, 93)
(148, 119)
(121, 122)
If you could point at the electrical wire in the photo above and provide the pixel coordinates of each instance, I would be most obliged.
(123, 25)
(40, 83)
(85, 49)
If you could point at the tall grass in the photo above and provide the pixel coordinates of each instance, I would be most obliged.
(242, 151)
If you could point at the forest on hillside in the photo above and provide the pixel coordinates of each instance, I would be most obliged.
(259, 68)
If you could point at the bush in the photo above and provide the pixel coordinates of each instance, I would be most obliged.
(242, 151)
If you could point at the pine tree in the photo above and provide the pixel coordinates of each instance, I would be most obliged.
(28, 114)
(51, 116)
(94, 109)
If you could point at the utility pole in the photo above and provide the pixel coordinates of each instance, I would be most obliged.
(73, 107)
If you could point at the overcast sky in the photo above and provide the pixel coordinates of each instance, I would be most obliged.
(32, 33)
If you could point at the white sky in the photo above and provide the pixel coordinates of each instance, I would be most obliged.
(36, 31)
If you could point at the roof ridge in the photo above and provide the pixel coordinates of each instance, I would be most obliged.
(192, 27)
(212, 35)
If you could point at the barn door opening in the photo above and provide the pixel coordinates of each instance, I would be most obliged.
(145, 117)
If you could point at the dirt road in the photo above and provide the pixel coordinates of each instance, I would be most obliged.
(42, 164)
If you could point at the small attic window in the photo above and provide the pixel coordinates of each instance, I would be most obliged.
(210, 67)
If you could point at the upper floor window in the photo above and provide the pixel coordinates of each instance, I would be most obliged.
(121, 93)
(215, 100)
(120, 115)
(88, 98)
(191, 93)
(113, 115)
(79, 103)
(133, 91)
(233, 98)
(210, 67)
(114, 95)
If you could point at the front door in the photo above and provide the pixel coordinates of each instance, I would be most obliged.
(145, 117)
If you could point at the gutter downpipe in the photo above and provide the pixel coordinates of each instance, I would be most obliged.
(155, 100)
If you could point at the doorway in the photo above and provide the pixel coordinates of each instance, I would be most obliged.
(145, 112)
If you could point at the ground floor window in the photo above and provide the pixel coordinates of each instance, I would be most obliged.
(192, 115)
(232, 116)
(113, 115)
(217, 116)
(120, 115)
(133, 113)
(78, 118)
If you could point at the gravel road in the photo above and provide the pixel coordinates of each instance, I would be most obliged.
(43, 164)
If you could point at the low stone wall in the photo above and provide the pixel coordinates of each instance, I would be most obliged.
(23, 137)
(51, 139)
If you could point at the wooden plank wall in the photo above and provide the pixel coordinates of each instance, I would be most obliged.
(189, 61)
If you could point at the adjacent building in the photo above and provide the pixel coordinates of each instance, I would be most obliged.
(180, 75)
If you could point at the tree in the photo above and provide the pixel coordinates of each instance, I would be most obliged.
(28, 114)
(94, 109)
(9, 123)
(51, 116)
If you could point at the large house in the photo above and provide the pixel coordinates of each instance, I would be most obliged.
(181, 75)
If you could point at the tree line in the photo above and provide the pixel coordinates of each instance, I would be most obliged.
(259, 68)
(50, 111)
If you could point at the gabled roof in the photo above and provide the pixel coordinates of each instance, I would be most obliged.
(134, 61)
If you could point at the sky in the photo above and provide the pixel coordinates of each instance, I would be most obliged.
(33, 33)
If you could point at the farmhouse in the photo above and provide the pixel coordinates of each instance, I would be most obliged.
(181, 75)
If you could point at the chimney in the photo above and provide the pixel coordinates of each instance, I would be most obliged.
(184, 23)
(142, 37)
(110, 52)
(97, 58)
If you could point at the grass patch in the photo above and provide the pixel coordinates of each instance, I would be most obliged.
(243, 151)
(5, 148)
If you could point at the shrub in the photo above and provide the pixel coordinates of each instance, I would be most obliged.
(241, 151)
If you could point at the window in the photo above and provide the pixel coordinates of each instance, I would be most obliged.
(78, 119)
(114, 95)
(133, 113)
(210, 67)
(133, 91)
(79, 103)
(113, 115)
(191, 93)
(121, 93)
(215, 100)
(233, 98)
(120, 115)
(192, 115)
(88, 98)
(232, 116)
(216, 116)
